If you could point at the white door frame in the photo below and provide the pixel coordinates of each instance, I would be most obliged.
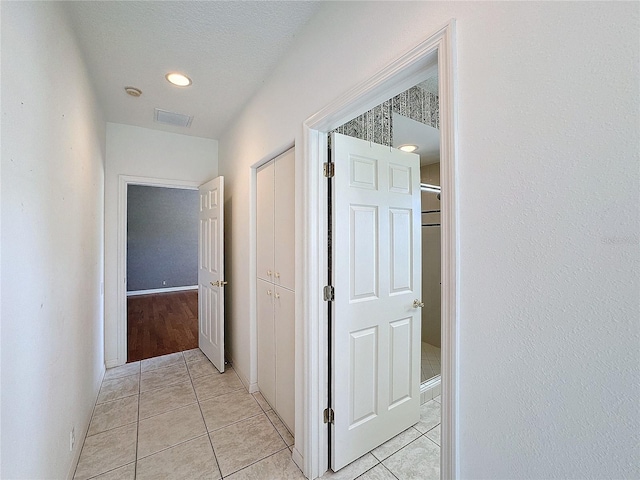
(123, 183)
(403, 73)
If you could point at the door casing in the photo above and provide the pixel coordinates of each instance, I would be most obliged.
(408, 70)
(123, 182)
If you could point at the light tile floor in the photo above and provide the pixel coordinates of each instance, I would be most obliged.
(412, 455)
(430, 361)
(176, 417)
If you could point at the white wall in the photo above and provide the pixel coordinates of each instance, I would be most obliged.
(548, 208)
(52, 243)
(143, 152)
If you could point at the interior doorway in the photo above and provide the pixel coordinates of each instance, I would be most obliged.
(161, 269)
(407, 70)
(385, 246)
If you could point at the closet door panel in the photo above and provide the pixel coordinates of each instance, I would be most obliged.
(284, 320)
(285, 215)
(266, 341)
(265, 221)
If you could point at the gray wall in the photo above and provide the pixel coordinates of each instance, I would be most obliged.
(162, 237)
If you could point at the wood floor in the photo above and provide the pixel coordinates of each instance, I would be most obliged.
(161, 323)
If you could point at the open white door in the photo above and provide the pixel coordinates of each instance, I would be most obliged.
(377, 278)
(211, 272)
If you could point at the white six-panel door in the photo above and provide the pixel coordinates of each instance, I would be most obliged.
(377, 277)
(211, 271)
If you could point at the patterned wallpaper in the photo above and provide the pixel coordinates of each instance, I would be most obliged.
(376, 125)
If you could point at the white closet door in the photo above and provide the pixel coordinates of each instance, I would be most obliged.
(284, 316)
(285, 214)
(266, 341)
(265, 222)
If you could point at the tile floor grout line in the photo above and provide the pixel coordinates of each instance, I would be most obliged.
(258, 461)
(276, 428)
(167, 411)
(117, 398)
(431, 440)
(368, 470)
(161, 367)
(431, 428)
(241, 387)
(213, 450)
(118, 378)
(157, 388)
(234, 423)
(388, 470)
(112, 428)
(182, 442)
(165, 386)
(113, 469)
(216, 396)
(403, 447)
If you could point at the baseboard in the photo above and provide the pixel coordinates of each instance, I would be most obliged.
(111, 363)
(135, 293)
(80, 439)
(297, 458)
(430, 389)
(240, 374)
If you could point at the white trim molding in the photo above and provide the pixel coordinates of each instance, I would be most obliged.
(430, 389)
(405, 72)
(152, 291)
(123, 182)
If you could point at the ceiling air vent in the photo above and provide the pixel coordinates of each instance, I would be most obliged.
(171, 118)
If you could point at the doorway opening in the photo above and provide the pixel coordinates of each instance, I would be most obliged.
(397, 77)
(386, 169)
(135, 289)
(162, 271)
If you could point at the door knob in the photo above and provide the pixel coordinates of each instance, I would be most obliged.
(277, 295)
(418, 304)
(277, 275)
(269, 272)
(218, 283)
(268, 292)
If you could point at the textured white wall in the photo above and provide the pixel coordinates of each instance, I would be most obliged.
(549, 219)
(142, 152)
(52, 243)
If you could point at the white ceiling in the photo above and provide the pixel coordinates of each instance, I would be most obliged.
(410, 132)
(226, 48)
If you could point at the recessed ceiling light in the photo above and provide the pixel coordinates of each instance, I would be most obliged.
(408, 148)
(178, 79)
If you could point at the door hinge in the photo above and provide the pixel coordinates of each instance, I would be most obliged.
(328, 169)
(328, 415)
(328, 293)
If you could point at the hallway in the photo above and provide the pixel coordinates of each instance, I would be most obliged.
(176, 417)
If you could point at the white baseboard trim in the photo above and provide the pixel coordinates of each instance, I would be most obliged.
(430, 389)
(81, 434)
(297, 458)
(113, 363)
(161, 290)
